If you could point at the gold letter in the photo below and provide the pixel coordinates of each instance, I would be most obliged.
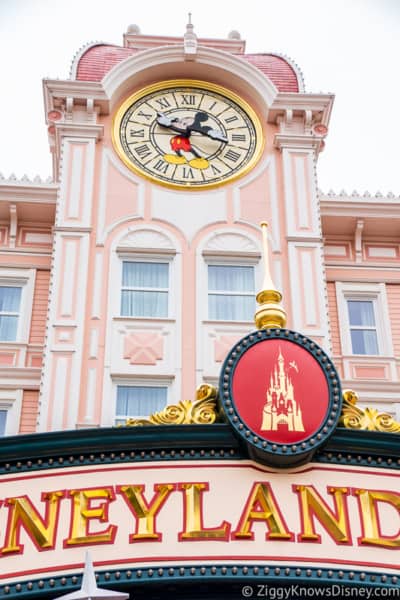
(145, 513)
(83, 512)
(261, 506)
(367, 501)
(193, 511)
(311, 504)
(23, 513)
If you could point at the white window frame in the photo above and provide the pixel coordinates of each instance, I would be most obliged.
(163, 382)
(375, 293)
(231, 261)
(25, 279)
(130, 256)
(11, 401)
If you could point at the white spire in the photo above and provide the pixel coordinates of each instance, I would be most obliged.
(89, 589)
(190, 40)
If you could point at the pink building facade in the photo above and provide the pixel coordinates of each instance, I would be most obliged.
(125, 282)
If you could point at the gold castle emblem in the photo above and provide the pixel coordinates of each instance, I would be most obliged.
(281, 408)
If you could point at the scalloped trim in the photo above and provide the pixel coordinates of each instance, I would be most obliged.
(25, 180)
(80, 53)
(355, 194)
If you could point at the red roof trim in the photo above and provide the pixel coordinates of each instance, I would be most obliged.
(98, 60)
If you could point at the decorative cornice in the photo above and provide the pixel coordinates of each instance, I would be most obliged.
(126, 445)
(370, 419)
(56, 91)
(360, 207)
(22, 192)
(203, 411)
(17, 377)
(293, 141)
(82, 130)
(185, 576)
(318, 104)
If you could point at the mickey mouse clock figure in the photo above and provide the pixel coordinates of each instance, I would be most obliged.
(187, 134)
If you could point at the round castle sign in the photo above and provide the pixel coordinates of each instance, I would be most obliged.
(281, 393)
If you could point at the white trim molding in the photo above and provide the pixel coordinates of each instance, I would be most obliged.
(376, 292)
(25, 279)
(11, 401)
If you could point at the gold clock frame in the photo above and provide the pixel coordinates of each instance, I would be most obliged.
(189, 83)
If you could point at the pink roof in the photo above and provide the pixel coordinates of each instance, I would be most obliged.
(277, 69)
(97, 60)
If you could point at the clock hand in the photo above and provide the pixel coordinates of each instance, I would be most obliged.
(198, 126)
(217, 135)
(173, 124)
(214, 134)
(163, 120)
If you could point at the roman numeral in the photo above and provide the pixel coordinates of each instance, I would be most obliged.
(188, 99)
(161, 166)
(232, 155)
(187, 173)
(163, 102)
(143, 151)
(231, 119)
(147, 116)
(238, 137)
(136, 132)
(212, 105)
(215, 170)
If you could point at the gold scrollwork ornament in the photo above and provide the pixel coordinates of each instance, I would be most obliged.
(370, 419)
(203, 411)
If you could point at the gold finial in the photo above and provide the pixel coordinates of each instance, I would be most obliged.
(270, 313)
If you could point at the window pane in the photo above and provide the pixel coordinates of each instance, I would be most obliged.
(223, 307)
(135, 401)
(361, 312)
(8, 328)
(10, 298)
(230, 278)
(144, 304)
(3, 420)
(145, 274)
(364, 341)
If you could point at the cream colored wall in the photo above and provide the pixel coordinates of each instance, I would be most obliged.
(362, 257)
(26, 216)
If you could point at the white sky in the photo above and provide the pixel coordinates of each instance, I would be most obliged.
(348, 47)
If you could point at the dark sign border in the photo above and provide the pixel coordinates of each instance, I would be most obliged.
(273, 453)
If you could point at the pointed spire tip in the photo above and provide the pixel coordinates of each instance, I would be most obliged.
(270, 313)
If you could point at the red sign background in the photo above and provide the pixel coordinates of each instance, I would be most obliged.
(251, 380)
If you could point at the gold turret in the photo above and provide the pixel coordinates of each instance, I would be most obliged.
(270, 313)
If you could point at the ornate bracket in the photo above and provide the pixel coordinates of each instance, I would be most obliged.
(203, 411)
(370, 419)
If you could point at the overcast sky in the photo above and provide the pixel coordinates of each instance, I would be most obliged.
(348, 47)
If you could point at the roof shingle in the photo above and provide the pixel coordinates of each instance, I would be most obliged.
(99, 59)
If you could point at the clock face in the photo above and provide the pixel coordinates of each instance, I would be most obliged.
(187, 134)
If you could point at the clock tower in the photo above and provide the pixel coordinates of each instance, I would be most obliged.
(168, 153)
(188, 134)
